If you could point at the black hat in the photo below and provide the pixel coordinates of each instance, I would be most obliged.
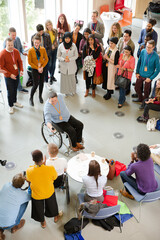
(114, 40)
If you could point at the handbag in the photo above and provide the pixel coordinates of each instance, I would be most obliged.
(121, 81)
(151, 124)
(112, 169)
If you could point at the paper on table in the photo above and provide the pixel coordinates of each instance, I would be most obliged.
(82, 157)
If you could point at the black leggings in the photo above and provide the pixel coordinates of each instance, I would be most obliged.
(89, 80)
(38, 79)
(147, 107)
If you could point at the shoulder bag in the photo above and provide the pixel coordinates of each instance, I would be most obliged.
(121, 81)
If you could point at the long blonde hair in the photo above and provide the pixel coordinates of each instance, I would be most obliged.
(48, 21)
(119, 34)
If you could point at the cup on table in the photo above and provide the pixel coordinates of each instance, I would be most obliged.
(92, 154)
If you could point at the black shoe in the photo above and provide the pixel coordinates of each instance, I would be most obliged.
(116, 88)
(120, 105)
(41, 99)
(142, 119)
(31, 102)
(141, 107)
(107, 96)
(127, 92)
(54, 79)
(51, 81)
(134, 95)
(134, 83)
(136, 100)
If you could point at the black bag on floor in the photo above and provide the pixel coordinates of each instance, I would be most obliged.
(74, 225)
(154, 7)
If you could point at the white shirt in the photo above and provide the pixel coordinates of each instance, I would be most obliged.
(156, 150)
(91, 186)
(58, 163)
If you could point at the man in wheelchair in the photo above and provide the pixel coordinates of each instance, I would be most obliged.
(56, 111)
(60, 164)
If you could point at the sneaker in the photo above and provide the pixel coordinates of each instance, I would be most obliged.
(142, 119)
(17, 104)
(43, 224)
(24, 91)
(11, 110)
(134, 95)
(48, 86)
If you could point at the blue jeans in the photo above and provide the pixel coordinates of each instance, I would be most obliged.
(52, 62)
(122, 95)
(12, 86)
(20, 215)
(46, 72)
(131, 180)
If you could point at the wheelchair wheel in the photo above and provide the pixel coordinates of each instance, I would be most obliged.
(50, 137)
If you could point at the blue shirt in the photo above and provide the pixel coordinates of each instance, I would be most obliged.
(52, 115)
(145, 177)
(151, 61)
(143, 34)
(11, 199)
(17, 45)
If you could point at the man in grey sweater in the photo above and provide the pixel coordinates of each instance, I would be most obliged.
(96, 27)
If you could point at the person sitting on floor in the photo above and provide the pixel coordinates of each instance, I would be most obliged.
(152, 103)
(94, 182)
(56, 111)
(142, 166)
(13, 204)
(60, 164)
(43, 199)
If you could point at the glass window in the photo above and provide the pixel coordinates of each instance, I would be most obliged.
(4, 21)
(35, 14)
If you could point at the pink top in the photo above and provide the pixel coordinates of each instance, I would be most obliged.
(129, 64)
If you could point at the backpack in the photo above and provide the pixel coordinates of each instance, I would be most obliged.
(151, 124)
(158, 125)
(74, 225)
(73, 236)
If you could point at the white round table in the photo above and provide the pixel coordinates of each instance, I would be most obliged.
(108, 19)
(78, 166)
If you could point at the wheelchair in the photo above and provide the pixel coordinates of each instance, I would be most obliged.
(58, 137)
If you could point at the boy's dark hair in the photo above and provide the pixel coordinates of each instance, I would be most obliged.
(39, 27)
(152, 42)
(9, 39)
(149, 35)
(37, 156)
(12, 29)
(18, 180)
(143, 152)
(129, 32)
(37, 37)
(152, 21)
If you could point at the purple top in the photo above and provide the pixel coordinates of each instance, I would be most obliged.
(145, 177)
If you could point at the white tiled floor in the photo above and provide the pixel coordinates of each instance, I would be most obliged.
(21, 133)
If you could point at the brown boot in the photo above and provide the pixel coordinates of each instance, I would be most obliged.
(86, 94)
(2, 236)
(17, 227)
(126, 194)
(93, 93)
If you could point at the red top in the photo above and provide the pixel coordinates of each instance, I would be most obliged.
(129, 64)
(8, 59)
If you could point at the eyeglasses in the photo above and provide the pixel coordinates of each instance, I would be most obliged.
(149, 47)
